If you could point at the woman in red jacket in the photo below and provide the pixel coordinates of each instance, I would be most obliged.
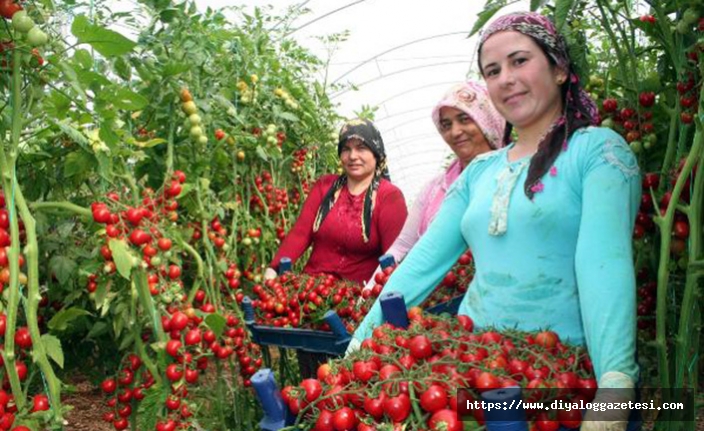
(351, 219)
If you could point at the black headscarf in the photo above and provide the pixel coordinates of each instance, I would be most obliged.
(365, 131)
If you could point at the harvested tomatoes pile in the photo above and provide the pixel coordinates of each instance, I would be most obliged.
(301, 300)
(454, 283)
(409, 378)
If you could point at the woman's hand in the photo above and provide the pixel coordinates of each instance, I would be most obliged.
(614, 388)
(270, 273)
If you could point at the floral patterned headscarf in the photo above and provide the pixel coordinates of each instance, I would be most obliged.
(365, 131)
(579, 109)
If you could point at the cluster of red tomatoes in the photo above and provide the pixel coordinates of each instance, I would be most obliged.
(689, 99)
(409, 378)
(216, 233)
(635, 125)
(40, 402)
(300, 301)
(142, 227)
(122, 391)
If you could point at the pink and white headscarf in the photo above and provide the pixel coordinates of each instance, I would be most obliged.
(473, 99)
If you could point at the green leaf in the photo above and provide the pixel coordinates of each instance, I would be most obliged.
(121, 256)
(72, 78)
(52, 345)
(562, 11)
(127, 341)
(288, 116)
(98, 329)
(104, 165)
(262, 153)
(77, 163)
(107, 42)
(173, 69)
(126, 99)
(75, 135)
(123, 68)
(83, 57)
(107, 135)
(484, 16)
(62, 267)
(216, 322)
(61, 319)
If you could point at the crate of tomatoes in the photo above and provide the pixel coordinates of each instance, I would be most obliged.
(447, 295)
(412, 378)
(305, 312)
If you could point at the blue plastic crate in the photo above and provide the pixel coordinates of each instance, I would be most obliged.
(451, 307)
(334, 343)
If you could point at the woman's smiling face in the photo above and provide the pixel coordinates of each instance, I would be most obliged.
(524, 86)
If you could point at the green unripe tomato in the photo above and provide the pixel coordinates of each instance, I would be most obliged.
(22, 22)
(36, 37)
(690, 16)
(682, 27)
(202, 140)
(194, 119)
(636, 146)
(196, 132)
(189, 108)
(608, 122)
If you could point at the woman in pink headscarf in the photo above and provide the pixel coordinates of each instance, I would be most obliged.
(469, 124)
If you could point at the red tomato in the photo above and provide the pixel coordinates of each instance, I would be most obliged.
(547, 339)
(174, 272)
(421, 347)
(324, 422)
(486, 381)
(434, 399)
(172, 402)
(108, 386)
(445, 420)
(22, 338)
(40, 403)
(569, 419)
(544, 423)
(681, 229)
(344, 419)
(312, 388)
(138, 237)
(364, 370)
(173, 372)
(375, 406)
(173, 347)
(179, 321)
(164, 244)
(397, 408)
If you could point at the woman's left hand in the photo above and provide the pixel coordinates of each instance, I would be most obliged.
(614, 388)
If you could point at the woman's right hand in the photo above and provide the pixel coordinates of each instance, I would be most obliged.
(270, 273)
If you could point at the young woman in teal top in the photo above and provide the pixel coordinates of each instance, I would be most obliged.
(555, 253)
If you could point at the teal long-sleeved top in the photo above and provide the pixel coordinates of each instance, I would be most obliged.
(562, 261)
